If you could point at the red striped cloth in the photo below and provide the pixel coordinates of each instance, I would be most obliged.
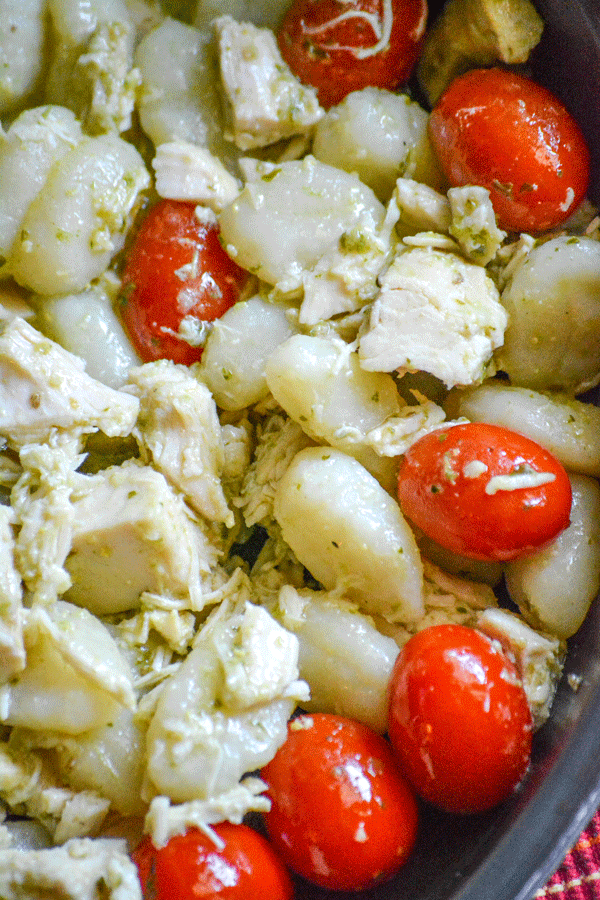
(578, 878)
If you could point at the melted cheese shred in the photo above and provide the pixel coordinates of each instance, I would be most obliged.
(380, 24)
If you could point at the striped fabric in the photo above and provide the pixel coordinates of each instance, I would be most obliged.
(578, 878)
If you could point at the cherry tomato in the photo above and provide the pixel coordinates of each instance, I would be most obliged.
(484, 492)
(339, 46)
(192, 867)
(459, 719)
(503, 131)
(176, 269)
(342, 816)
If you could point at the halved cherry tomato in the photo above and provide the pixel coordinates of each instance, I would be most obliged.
(342, 816)
(339, 46)
(484, 491)
(498, 129)
(176, 269)
(192, 866)
(459, 721)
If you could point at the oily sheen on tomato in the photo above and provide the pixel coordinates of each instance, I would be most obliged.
(459, 721)
(339, 46)
(342, 815)
(176, 275)
(499, 129)
(192, 867)
(484, 491)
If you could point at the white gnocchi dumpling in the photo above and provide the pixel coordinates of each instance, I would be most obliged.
(319, 383)
(380, 135)
(346, 661)
(24, 32)
(225, 711)
(237, 349)
(87, 325)
(555, 586)
(35, 141)
(180, 101)
(80, 217)
(74, 22)
(350, 534)
(567, 427)
(288, 215)
(110, 760)
(553, 302)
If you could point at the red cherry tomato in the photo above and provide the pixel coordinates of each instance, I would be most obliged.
(339, 47)
(459, 720)
(192, 867)
(342, 816)
(501, 130)
(176, 268)
(483, 491)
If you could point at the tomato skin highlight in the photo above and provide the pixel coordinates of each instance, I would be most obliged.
(498, 129)
(191, 867)
(446, 487)
(322, 42)
(342, 815)
(459, 721)
(157, 292)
